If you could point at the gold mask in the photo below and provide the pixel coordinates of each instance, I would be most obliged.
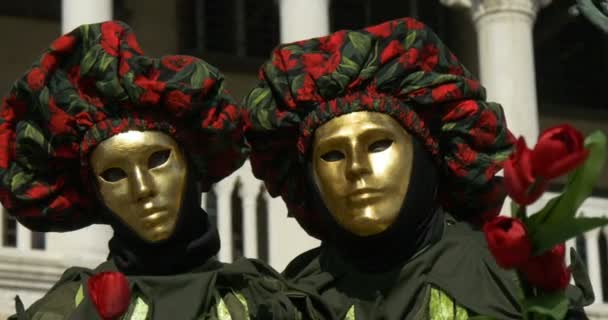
(362, 163)
(142, 179)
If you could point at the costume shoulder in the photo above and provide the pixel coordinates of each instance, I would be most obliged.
(267, 294)
(462, 264)
(61, 300)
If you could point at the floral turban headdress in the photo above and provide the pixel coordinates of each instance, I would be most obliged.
(399, 68)
(89, 85)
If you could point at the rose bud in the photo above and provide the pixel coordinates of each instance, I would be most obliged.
(559, 150)
(508, 241)
(110, 294)
(548, 271)
(520, 182)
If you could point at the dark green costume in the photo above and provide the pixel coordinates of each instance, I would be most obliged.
(433, 262)
(88, 86)
(245, 289)
(457, 265)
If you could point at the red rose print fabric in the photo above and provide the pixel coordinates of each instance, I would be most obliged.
(400, 68)
(91, 84)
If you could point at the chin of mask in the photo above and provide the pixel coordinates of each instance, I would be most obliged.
(141, 176)
(362, 164)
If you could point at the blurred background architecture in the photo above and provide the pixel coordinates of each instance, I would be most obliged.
(540, 59)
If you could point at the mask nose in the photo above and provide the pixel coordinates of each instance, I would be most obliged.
(141, 185)
(358, 164)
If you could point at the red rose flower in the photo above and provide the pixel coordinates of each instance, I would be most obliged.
(110, 294)
(508, 241)
(124, 67)
(413, 24)
(67, 151)
(63, 44)
(484, 132)
(519, 178)
(178, 102)
(456, 168)
(548, 271)
(176, 62)
(455, 70)
(282, 60)
(207, 85)
(559, 150)
(465, 154)
(429, 57)
(49, 62)
(409, 58)
(36, 79)
(37, 191)
(110, 37)
(392, 50)
(308, 91)
(152, 87)
(319, 65)
(333, 42)
(5, 141)
(382, 30)
(85, 87)
(60, 121)
(446, 92)
(460, 110)
(132, 42)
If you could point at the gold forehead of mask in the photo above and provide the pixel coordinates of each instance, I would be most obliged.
(141, 176)
(362, 164)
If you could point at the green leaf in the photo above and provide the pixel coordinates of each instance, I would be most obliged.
(198, 76)
(259, 95)
(106, 60)
(19, 180)
(549, 305)
(413, 78)
(535, 221)
(581, 279)
(389, 75)
(32, 133)
(297, 83)
(553, 233)
(368, 71)
(409, 40)
(89, 59)
(514, 208)
(348, 66)
(444, 78)
(112, 88)
(293, 48)
(360, 41)
(44, 102)
(593, 14)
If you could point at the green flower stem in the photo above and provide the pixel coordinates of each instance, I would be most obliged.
(522, 213)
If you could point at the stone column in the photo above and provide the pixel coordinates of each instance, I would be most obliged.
(223, 191)
(250, 228)
(594, 264)
(24, 237)
(303, 19)
(506, 54)
(78, 12)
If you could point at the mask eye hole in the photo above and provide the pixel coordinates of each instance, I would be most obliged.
(380, 145)
(332, 156)
(113, 175)
(158, 158)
